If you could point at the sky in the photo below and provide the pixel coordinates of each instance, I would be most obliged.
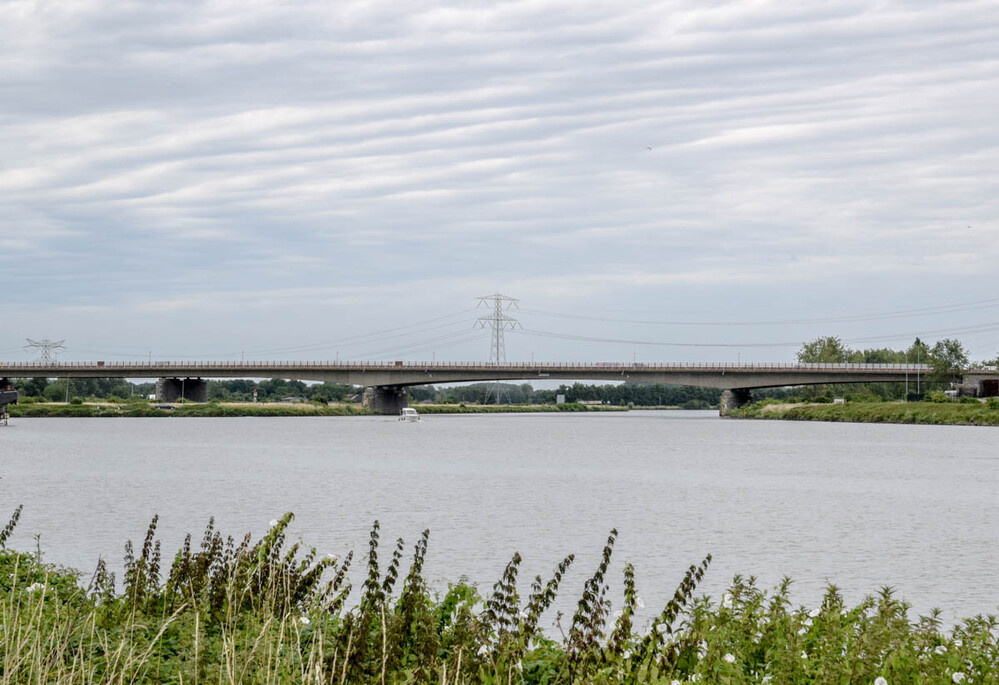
(653, 181)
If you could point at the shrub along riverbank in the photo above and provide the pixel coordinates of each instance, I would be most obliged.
(949, 413)
(210, 409)
(266, 612)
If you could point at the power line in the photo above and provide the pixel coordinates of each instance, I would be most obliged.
(902, 313)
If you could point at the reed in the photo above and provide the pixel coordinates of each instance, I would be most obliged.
(267, 611)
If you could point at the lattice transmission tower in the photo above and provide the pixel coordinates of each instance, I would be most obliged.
(45, 348)
(499, 322)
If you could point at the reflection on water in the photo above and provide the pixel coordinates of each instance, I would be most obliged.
(858, 505)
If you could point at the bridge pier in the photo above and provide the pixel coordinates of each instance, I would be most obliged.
(388, 400)
(172, 389)
(733, 399)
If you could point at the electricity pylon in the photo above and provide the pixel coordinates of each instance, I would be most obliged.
(45, 349)
(499, 322)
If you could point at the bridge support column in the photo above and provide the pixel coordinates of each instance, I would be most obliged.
(733, 399)
(387, 400)
(172, 389)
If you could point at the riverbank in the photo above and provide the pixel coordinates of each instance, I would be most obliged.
(935, 413)
(266, 409)
(182, 409)
(264, 611)
(513, 408)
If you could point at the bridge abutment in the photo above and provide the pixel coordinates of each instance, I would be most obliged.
(733, 399)
(173, 389)
(388, 400)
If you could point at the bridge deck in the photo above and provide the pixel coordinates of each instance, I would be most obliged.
(399, 373)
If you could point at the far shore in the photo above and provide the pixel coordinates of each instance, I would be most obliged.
(972, 413)
(143, 409)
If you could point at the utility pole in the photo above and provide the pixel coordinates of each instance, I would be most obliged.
(499, 322)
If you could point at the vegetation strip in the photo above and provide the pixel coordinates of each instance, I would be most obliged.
(971, 413)
(267, 612)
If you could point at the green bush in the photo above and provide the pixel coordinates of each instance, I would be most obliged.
(937, 397)
(76, 400)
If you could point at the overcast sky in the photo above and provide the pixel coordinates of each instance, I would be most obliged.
(284, 179)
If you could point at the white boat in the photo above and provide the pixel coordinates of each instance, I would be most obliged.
(409, 414)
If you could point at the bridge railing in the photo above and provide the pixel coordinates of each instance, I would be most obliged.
(11, 368)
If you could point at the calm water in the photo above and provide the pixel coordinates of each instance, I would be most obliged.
(915, 507)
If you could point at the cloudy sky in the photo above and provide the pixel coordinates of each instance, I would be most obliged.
(700, 180)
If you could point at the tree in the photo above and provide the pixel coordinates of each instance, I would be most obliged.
(827, 350)
(949, 360)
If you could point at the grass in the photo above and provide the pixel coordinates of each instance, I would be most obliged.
(263, 611)
(949, 413)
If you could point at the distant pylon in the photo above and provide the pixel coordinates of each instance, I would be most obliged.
(499, 322)
(45, 349)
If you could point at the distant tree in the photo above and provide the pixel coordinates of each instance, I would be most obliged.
(949, 360)
(826, 350)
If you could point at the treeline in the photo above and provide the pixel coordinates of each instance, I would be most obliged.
(948, 359)
(524, 393)
(274, 390)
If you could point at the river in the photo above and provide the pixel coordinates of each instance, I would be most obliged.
(861, 506)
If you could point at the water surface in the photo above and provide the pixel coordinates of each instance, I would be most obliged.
(862, 506)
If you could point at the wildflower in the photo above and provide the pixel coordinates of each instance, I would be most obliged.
(273, 523)
(814, 613)
(958, 643)
(801, 631)
(804, 655)
(880, 680)
(35, 586)
(726, 601)
(940, 649)
(483, 650)
(729, 658)
(958, 677)
(626, 654)
(662, 628)
(305, 620)
(675, 682)
(640, 602)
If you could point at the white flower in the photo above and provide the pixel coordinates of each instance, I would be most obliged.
(662, 628)
(804, 655)
(626, 654)
(958, 643)
(729, 658)
(483, 650)
(880, 681)
(814, 612)
(958, 677)
(675, 682)
(305, 620)
(801, 631)
(35, 586)
(273, 523)
(640, 602)
(726, 601)
(940, 649)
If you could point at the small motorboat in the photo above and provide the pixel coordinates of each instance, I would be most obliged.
(409, 414)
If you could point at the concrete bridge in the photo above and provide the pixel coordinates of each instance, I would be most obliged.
(386, 382)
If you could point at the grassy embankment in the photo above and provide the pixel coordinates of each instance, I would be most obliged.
(143, 409)
(228, 409)
(950, 413)
(263, 612)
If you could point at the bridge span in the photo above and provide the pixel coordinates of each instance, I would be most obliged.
(386, 382)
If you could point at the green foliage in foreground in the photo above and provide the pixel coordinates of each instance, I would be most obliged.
(264, 612)
(952, 413)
